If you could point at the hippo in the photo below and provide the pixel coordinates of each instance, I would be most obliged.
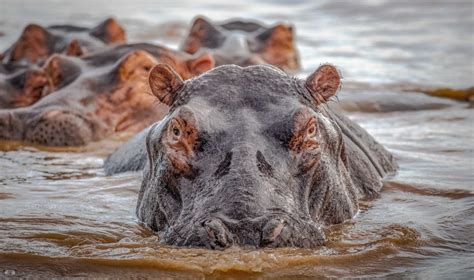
(244, 43)
(250, 157)
(29, 84)
(37, 43)
(99, 94)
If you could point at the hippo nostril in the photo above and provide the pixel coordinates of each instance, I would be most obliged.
(272, 230)
(218, 235)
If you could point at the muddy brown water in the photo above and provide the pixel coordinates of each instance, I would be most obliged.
(61, 216)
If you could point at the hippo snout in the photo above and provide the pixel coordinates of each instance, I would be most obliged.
(268, 231)
(272, 231)
(288, 232)
(11, 127)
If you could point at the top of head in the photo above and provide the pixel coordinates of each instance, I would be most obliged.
(253, 86)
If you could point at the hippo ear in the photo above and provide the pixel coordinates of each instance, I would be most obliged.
(200, 64)
(134, 66)
(323, 83)
(201, 22)
(33, 44)
(53, 71)
(165, 83)
(75, 49)
(201, 34)
(60, 70)
(279, 33)
(109, 31)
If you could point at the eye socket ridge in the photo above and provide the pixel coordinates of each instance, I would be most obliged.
(305, 135)
(180, 143)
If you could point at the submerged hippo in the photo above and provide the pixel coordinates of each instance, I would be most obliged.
(26, 86)
(244, 43)
(99, 94)
(251, 157)
(37, 43)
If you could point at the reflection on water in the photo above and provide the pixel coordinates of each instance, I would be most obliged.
(60, 215)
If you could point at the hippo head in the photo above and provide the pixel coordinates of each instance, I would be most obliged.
(27, 86)
(244, 43)
(36, 43)
(246, 156)
(73, 101)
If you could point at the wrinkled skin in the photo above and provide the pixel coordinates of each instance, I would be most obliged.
(37, 43)
(96, 95)
(250, 157)
(244, 43)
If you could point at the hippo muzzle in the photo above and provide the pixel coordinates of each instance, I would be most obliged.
(243, 203)
(246, 205)
(271, 230)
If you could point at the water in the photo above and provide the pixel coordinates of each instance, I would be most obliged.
(60, 215)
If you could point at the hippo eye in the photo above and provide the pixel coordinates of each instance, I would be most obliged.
(312, 130)
(176, 131)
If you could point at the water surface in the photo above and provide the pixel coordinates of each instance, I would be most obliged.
(60, 215)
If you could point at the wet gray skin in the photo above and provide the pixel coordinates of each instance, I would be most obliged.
(250, 157)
